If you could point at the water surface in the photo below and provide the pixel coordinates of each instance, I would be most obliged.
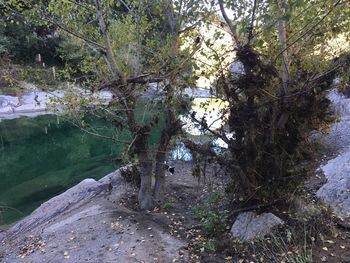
(41, 157)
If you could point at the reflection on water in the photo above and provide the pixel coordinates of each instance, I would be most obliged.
(42, 157)
(180, 152)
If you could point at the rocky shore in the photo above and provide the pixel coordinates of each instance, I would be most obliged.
(90, 222)
(35, 103)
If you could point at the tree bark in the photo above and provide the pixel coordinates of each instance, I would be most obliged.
(171, 124)
(140, 146)
(228, 21)
(145, 198)
(159, 187)
(110, 59)
(282, 36)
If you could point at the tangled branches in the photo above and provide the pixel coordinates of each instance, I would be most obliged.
(268, 127)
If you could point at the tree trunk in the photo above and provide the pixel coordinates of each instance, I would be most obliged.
(145, 197)
(109, 56)
(159, 187)
(229, 23)
(282, 36)
(171, 125)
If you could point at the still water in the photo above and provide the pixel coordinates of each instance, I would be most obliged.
(41, 157)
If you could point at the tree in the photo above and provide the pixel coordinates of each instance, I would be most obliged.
(273, 104)
(133, 44)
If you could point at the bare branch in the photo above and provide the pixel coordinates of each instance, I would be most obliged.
(96, 134)
(250, 34)
(108, 48)
(310, 29)
(126, 6)
(229, 23)
(101, 47)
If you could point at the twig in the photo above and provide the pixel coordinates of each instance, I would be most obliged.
(313, 27)
(229, 23)
(250, 34)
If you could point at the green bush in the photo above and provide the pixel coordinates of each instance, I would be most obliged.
(212, 214)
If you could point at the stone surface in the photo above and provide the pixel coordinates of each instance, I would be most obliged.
(35, 102)
(55, 206)
(82, 192)
(6, 110)
(8, 101)
(336, 192)
(88, 223)
(249, 225)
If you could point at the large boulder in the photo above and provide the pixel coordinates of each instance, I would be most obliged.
(249, 225)
(336, 192)
(6, 110)
(8, 100)
(79, 194)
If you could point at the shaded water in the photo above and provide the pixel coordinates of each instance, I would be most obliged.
(42, 157)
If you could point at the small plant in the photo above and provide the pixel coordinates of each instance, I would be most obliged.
(212, 215)
(208, 246)
(291, 245)
(168, 203)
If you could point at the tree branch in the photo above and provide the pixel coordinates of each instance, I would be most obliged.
(229, 23)
(108, 48)
(250, 34)
(312, 28)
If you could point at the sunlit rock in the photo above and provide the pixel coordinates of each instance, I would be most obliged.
(336, 192)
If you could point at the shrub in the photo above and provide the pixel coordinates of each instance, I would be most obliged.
(212, 214)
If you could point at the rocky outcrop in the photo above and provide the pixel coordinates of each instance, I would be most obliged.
(37, 102)
(30, 104)
(336, 192)
(249, 225)
(66, 201)
(90, 223)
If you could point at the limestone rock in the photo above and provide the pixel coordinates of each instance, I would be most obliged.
(8, 101)
(6, 110)
(249, 225)
(336, 192)
(73, 197)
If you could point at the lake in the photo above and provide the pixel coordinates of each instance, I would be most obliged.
(42, 157)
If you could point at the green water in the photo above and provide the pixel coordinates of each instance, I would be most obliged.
(42, 157)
